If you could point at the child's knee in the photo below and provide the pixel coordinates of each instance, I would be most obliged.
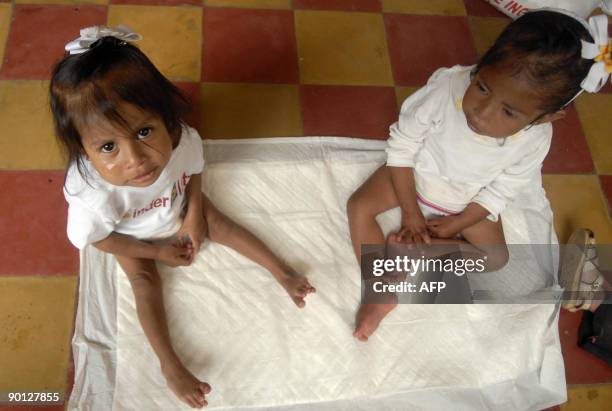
(355, 205)
(144, 281)
(219, 227)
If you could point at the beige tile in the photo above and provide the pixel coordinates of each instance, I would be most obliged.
(250, 110)
(594, 111)
(27, 139)
(251, 4)
(402, 93)
(342, 48)
(5, 20)
(577, 201)
(485, 31)
(588, 398)
(36, 320)
(433, 7)
(172, 36)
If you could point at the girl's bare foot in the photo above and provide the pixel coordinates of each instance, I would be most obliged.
(185, 386)
(393, 238)
(297, 287)
(369, 316)
(396, 238)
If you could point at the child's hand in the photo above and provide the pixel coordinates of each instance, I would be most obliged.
(192, 233)
(414, 228)
(173, 255)
(444, 227)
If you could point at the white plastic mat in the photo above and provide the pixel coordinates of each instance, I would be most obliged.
(235, 328)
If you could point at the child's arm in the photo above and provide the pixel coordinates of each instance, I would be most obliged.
(413, 222)
(450, 226)
(194, 225)
(419, 114)
(120, 244)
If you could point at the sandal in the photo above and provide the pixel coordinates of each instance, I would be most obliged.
(580, 275)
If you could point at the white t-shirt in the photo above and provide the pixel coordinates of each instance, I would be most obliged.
(454, 166)
(97, 208)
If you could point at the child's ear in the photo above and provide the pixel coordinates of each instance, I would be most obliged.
(557, 115)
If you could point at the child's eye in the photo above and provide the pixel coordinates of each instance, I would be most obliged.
(481, 87)
(508, 113)
(108, 147)
(144, 132)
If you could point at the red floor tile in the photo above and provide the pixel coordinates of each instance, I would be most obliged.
(159, 2)
(38, 35)
(606, 185)
(246, 45)
(580, 366)
(351, 111)
(33, 236)
(569, 151)
(192, 92)
(349, 5)
(415, 56)
(481, 8)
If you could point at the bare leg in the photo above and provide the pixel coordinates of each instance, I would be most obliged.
(486, 238)
(224, 231)
(146, 285)
(374, 196)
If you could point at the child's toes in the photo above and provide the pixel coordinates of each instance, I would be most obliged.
(195, 403)
(199, 401)
(204, 388)
(192, 402)
(299, 301)
(393, 238)
(199, 398)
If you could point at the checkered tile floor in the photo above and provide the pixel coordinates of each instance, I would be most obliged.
(284, 68)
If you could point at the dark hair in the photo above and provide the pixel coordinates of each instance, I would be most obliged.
(98, 81)
(545, 46)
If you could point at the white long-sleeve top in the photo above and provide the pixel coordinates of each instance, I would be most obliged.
(454, 166)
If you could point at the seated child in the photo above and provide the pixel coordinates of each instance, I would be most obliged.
(473, 138)
(134, 175)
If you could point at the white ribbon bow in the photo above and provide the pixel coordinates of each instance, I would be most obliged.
(90, 35)
(600, 51)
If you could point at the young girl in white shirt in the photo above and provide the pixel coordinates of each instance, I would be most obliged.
(134, 175)
(474, 137)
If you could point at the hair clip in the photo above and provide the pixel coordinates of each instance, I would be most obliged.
(600, 51)
(90, 37)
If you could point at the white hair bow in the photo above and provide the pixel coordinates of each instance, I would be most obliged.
(90, 35)
(600, 51)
